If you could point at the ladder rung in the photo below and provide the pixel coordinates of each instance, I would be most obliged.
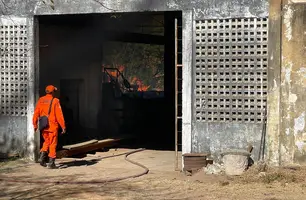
(179, 117)
(179, 65)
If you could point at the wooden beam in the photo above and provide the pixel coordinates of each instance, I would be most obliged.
(79, 145)
(86, 147)
(134, 37)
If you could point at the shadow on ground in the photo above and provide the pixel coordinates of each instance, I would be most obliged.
(76, 163)
(141, 188)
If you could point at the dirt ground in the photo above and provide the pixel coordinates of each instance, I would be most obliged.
(162, 182)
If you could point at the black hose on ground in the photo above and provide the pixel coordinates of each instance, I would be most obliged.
(146, 170)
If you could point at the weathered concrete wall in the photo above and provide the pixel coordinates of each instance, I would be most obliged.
(197, 9)
(216, 136)
(274, 88)
(13, 135)
(17, 85)
(201, 8)
(293, 84)
(287, 132)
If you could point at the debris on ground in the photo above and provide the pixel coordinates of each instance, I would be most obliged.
(214, 169)
(162, 181)
(262, 166)
(224, 183)
(261, 173)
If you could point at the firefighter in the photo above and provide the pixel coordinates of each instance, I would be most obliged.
(49, 107)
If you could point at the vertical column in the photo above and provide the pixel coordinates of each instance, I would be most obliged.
(32, 137)
(293, 84)
(274, 81)
(188, 57)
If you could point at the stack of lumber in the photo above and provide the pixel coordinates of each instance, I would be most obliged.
(85, 147)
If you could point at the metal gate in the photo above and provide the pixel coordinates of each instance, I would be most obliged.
(230, 83)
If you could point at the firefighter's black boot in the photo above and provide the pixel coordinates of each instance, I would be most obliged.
(43, 158)
(51, 164)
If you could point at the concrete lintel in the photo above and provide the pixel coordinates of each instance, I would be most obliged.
(202, 8)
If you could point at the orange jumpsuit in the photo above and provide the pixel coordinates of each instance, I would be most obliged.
(56, 119)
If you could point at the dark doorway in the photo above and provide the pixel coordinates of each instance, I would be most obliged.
(116, 74)
(70, 99)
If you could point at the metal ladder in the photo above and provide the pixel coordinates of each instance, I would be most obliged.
(178, 89)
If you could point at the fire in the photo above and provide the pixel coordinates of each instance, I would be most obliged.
(135, 80)
(114, 73)
(141, 86)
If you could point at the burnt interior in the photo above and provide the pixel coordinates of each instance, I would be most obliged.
(76, 53)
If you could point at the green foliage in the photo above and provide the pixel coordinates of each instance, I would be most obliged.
(142, 61)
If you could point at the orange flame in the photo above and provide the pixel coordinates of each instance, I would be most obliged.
(141, 86)
(114, 73)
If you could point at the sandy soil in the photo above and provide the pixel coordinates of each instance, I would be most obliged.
(162, 182)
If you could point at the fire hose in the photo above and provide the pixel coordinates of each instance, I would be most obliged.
(146, 171)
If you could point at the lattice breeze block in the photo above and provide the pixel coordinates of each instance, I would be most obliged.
(231, 70)
(14, 69)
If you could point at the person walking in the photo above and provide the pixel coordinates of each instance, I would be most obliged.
(48, 114)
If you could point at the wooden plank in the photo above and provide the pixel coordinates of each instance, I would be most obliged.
(107, 140)
(79, 145)
(90, 147)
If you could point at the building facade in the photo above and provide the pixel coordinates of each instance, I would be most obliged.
(243, 72)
